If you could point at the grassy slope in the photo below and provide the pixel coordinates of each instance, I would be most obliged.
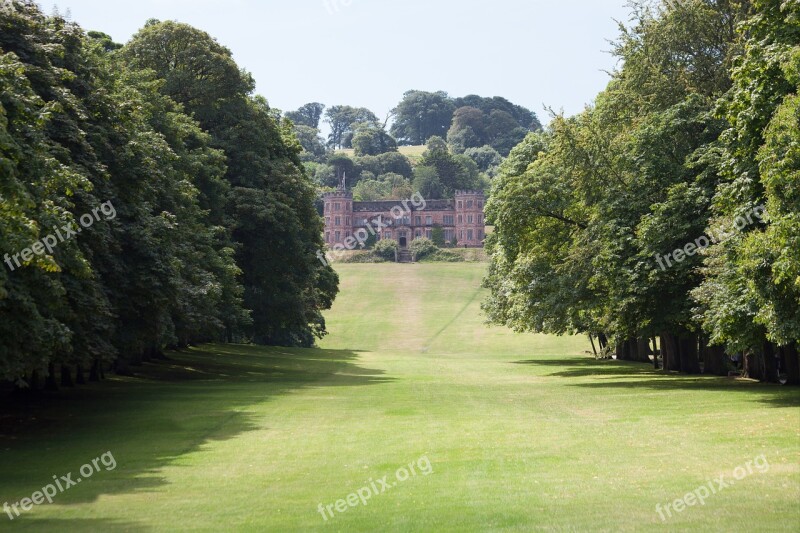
(523, 432)
(414, 153)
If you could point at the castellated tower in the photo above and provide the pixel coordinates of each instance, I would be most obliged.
(338, 216)
(469, 218)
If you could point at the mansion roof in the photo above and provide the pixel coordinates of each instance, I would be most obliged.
(431, 205)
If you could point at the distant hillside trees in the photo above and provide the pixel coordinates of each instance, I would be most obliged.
(308, 115)
(312, 142)
(343, 121)
(422, 115)
(372, 139)
(440, 173)
(468, 122)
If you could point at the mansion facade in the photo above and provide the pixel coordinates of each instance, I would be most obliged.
(460, 218)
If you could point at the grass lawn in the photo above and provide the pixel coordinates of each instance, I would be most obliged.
(522, 432)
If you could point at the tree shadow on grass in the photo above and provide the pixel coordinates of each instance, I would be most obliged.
(78, 524)
(582, 367)
(149, 421)
(615, 374)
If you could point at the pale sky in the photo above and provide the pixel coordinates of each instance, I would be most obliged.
(367, 53)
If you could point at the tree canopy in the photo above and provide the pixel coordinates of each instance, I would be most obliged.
(182, 211)
(644, 215)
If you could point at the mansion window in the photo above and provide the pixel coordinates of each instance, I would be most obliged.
(469, 234)
(449, 235)
(327, 221)
(460, 204)
(338, 221)
(417, 233)
(347, 221)
(388, 234)
(327, 236)
(338, 236)
(469, 219)
(428, 234)
(337, 206)
(419, 221)
(469, 203)
(460, 219)
(480, 234)
(448, 220)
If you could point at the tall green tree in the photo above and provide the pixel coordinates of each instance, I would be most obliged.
(422, 115)
(343, 121)
(308, 115)
(274, 224)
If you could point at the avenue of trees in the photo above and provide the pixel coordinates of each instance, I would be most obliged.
(697, 130)
(215, 232)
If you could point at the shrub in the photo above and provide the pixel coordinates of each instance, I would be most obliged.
(444, 256)
(422, 247)
(387, 249)
(364, 257)
(437, 236)
(371, 241)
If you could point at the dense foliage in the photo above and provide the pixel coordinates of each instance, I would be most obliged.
(207, 231)
(643, 216)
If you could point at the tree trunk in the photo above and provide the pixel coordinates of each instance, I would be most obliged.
(34, 383)
(591, 339)
(50, 383)
(656, 352)
(770, 363)
(715, 360)
(753, 366)
(80, 378)
(94, 373)
(603, 340)
(641, 349)
(66, 376)
(690, 363)
(670, 352)
(122, 367)
(791, 364)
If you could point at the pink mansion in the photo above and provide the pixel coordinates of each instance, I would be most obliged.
(461, 219)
